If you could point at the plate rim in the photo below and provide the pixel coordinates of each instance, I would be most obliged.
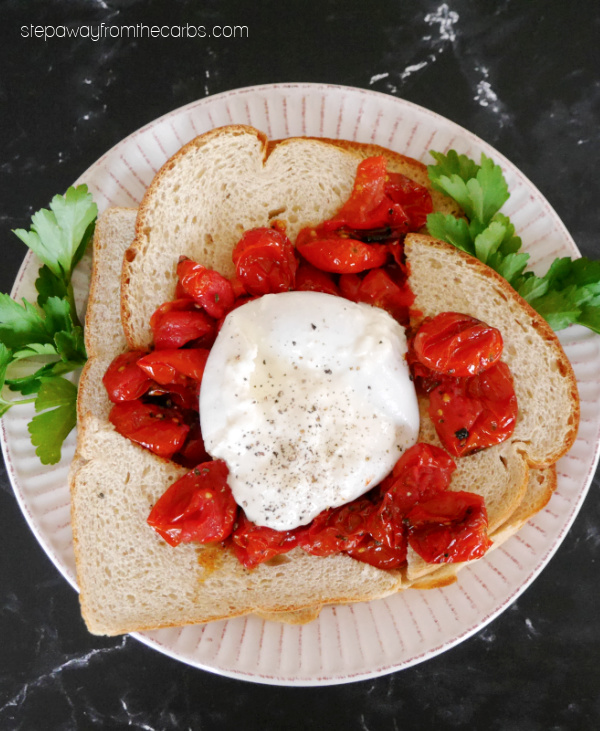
(339, 678)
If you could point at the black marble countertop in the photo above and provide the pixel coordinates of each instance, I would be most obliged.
(524, 76)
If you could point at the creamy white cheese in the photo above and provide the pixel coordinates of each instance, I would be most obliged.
(307, 398)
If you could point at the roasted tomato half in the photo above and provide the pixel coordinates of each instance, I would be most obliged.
(337, 529)
(470, 414)
(449, 528)
(457, 345)
(265, 261)
(174, 324)
(197, 507)
(124, 380)
(208, 288)
(253, 544)
(159, 429)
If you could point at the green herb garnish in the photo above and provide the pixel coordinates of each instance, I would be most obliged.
(57, 400)
(48, 331)
(568, 293)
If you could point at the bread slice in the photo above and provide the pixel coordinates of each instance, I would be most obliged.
(544, 380)
(224, 183)
(104, 340)
(444, 278)
(129, 578)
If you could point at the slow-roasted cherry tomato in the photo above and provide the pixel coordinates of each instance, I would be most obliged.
(369, 212)
(340, 255)
(379, 289)
(238, 288)
(193, 451)
(349, 285)
(265, 261)
(470, 414)
(396, 249)
(164, 366)
(415, 199)
(379, 555)
(422, 471)
(366, 197)
(253, 544)
(457, 344)
(450, 527)
(382, 205)
(197, 507)
(207, 287)
(311, 279)
(384, 524)
(124, 380)
(159, 429)
(424, 378)
(179, 322)
(337, 529)
(181, 304)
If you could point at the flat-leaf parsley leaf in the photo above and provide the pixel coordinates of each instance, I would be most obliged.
(568, 293)
(47, 335)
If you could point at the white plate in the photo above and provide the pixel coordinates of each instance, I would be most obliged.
(346, 643)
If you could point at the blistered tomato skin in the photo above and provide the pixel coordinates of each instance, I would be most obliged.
(208, 288)
(177, 323)
(193, 452)
(124, 380)
(181, 395)
(415, 199)
(254, 544)
(159, 429)
(378, 554)
(457, 345)
(470, 414)
(341, 255)
(165, 366)
(379, 289)
(422, 472)
(450, 527)
(337, 530)
(197, 507)
(349, 285)
(384, 204)
(311, 279)
(366, 196)
(265, 261)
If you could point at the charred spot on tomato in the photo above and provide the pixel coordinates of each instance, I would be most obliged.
(462, 434)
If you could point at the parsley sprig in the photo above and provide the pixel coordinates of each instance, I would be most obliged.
(568, 293)
(44, 340)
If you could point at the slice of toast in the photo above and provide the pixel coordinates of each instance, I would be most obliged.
(226, 182)
(545, 384)
(129, 578)
(105, 339)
